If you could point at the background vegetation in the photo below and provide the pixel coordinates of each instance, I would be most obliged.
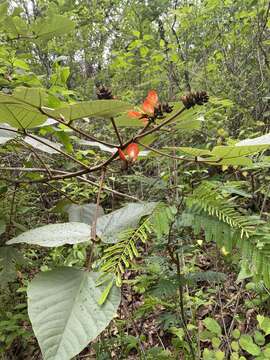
(193, 262)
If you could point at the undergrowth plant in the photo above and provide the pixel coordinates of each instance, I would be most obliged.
(79, 289)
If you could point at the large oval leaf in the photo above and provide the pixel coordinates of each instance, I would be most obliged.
(64, 311)
(54, 235)
(95, 108)
(83, 213)
(110, 226)
(19, 114)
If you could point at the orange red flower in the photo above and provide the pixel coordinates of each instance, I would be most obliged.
(148, 107)
(130, 153)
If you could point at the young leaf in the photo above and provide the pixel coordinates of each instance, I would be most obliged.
(247, 344)
(212, 325)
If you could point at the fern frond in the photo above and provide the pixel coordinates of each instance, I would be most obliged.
(118, 257)
(207, 198)
(209, 210)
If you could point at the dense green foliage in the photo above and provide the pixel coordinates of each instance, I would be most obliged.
(134, 179)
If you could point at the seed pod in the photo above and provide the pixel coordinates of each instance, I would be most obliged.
(104, 93)
(194, 98)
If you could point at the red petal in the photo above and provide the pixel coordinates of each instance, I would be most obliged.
(134, 114)
(122, 155)
(133, 151)
(148, 107)
(152, 97)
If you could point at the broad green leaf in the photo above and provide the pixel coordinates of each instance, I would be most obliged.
(227, 152)
(212, 325)
(247, 344)
(125, 121)
(15, 26)
(9, 256)
(95, 108)
(5, 134)
(189, 125)
(19, 63)
(53, 26)
(18, 114)
(83, 213)
(36, 97)
(264, 324)
(64, 311)
(110, 226)
(54, 235)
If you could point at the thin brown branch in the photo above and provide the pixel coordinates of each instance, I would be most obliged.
(116, 131)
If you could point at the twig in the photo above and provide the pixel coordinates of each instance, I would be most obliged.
(116, 131)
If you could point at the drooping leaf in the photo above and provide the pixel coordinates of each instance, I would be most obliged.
(9, 256)
(111, 225)
(83, 213)
(64, 311)
(54, 235)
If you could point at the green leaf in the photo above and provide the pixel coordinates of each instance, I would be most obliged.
(105, 293)
(36, 97)
(54, 235)
(247, 344)
(18, 114)
(125, 121)
(264, 324)
(110, 226)
(64, 311)
(83, 213)
(96, 108)
(9, 256)
(3, 10)
(259, 338)
(212, 325)
(53, 26)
